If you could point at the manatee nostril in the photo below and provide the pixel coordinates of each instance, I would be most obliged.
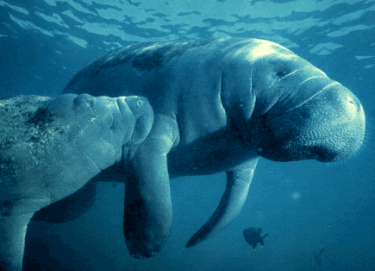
(351, 101)
(352, 105)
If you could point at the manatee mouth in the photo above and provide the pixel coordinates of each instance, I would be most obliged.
(296, 149)
(324, 154)
(322, 150)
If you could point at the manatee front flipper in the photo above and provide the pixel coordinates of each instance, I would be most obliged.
(12, 244)
(234, 197)
(15, 215)
(148, 206)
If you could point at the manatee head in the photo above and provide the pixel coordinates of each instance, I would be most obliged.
(54, 146)
(101, 125)
(300, 113)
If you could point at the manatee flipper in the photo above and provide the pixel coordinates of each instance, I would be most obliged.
(12, 245)
(234, 197)
(15, 215)
(148, 206)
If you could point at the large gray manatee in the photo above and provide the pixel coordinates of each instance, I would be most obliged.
(51, 147)
(219, 105)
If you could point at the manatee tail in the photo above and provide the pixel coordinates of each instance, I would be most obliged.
(234, 197)
(12, 241)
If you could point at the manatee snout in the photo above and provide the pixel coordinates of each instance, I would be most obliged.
(345, 123)
(330, 126)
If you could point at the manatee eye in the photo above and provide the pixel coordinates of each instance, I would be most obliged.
(281, 73)
(84, 100)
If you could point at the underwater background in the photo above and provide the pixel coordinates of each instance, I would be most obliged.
(319, 216)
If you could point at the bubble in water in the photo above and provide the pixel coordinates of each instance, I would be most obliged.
(296, 195)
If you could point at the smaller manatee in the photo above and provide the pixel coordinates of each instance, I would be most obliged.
(51, 147)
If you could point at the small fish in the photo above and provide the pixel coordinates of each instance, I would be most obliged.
(252, 236)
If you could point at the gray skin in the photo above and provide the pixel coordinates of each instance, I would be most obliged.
(219, 105)
(51, 147)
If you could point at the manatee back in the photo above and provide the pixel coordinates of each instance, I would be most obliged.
(37, 151)
(24, 126)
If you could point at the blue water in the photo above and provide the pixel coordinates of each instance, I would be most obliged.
(304, 206)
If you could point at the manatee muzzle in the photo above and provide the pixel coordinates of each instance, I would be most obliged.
(327, 124)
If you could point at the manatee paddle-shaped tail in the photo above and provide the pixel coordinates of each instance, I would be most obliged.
(232, 201)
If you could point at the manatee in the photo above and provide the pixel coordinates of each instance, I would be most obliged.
(51, 147)
(219, 106)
